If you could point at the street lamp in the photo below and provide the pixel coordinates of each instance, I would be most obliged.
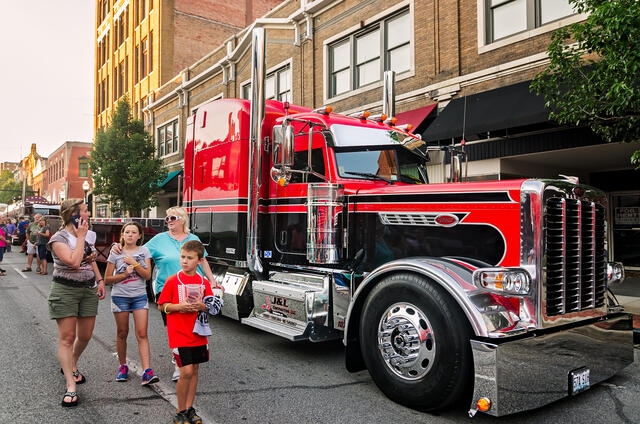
(85, 188)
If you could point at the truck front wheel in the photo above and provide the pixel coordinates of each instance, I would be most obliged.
(415, 343)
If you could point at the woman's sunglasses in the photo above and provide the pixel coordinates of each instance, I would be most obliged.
(171, 218)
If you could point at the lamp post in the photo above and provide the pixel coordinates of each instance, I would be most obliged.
(85, 188)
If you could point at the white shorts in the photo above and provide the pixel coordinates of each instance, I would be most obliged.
(31, 248)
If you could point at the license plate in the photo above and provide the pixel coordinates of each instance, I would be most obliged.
(579, 380)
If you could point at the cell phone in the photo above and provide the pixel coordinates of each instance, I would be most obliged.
(76, 220)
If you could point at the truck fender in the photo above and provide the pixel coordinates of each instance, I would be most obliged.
(449, 274)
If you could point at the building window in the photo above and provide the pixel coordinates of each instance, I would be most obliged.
(83, 168)
(509, 17)
(104, 10)
(167, 138)
(277, 85)
(103, 46)
(144, 58)
(361, 58)
(121, 79)
(121, 28)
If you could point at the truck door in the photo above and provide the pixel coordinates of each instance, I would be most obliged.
(290, 226)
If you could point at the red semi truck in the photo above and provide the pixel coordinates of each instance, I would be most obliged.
(320, 226)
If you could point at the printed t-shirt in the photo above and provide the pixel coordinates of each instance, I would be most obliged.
(180, 325)
(133, 285)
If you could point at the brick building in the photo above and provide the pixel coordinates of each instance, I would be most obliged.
(462, 70)
(144, 44)
(67, 170)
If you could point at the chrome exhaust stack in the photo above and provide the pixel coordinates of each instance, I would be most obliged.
(255, 147)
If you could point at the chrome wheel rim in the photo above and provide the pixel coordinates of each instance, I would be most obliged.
(406, 341)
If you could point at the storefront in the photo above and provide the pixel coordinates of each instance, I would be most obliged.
(625, 209)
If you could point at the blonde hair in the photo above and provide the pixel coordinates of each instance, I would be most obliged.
(68, 208)
(182, 214)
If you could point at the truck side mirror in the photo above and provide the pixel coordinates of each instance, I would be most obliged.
(282, 153)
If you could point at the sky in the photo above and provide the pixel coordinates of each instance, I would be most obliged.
(46, 75)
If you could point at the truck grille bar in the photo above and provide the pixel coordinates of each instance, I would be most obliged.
(574, 245)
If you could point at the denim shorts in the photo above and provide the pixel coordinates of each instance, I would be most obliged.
(129, 304)
(42, 251)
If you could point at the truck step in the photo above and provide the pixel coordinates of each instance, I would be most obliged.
(290, 309)
(293, 331)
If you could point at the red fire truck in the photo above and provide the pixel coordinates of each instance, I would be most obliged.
(321, 226)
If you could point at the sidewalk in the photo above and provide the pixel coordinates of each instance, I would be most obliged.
(628, 294)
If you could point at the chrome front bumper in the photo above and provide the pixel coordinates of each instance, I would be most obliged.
(531, 372)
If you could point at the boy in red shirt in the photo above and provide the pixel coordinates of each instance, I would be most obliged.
(186, 298)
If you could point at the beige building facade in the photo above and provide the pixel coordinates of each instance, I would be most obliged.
(462, 70)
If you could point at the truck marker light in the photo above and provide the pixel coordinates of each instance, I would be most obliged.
(325, 110)
(380, 118)
(363, 114)
(405, 127)
(483, 404)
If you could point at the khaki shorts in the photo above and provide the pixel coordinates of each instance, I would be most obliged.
(66, 301)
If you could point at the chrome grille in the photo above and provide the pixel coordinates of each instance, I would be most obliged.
(574, 246)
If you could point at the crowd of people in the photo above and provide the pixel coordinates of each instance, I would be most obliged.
(183, 288)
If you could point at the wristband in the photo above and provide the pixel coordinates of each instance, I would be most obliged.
(136, 264)
(165, 309)
(100, 280)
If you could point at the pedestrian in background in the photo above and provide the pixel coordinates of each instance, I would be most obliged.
(182, 299)
(12, 230)
(165, 252)
(3, 245)
(76, 288)
(128, 273)
(23, 224)
(32, 236)
(42, 238)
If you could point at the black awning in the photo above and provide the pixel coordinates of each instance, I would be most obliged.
(490, 111)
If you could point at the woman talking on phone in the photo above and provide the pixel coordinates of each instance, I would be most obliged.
(76, 288)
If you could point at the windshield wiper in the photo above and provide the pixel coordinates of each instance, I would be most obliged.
(369, 175)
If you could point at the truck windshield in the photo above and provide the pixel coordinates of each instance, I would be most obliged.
(379, 154)
(387, 164)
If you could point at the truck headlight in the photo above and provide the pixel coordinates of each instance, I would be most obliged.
(615, 272)
(504, 281)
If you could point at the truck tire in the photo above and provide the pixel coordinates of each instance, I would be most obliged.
(415, 343)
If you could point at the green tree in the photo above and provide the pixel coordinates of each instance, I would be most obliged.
(10, 188)
(124, 168)
(593, 78)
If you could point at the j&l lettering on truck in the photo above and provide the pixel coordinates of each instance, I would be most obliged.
(321, 226)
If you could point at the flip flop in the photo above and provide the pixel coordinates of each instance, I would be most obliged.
(71, 395)
(76, 374)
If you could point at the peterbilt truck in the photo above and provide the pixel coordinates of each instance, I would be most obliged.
(322, 226)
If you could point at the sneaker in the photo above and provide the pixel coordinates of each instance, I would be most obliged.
(193, 416)
(149, 377)
(123, 373)
(176, 374)
(181, 418)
